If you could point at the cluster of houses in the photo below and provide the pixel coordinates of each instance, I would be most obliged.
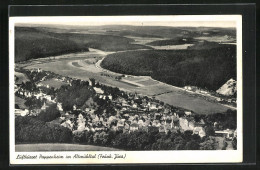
(131, 115)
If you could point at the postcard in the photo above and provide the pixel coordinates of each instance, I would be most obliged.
(125, 89)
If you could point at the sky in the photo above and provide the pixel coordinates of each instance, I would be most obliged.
(175, 21)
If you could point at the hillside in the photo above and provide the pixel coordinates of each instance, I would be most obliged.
(31, 43)
(209, 68)
(38, 42)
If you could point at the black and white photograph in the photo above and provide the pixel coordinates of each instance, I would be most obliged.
(125, 89)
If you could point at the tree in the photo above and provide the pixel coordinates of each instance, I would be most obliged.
(93, 82)
(209, 144)
(234, 143)
(79, 137)
(89, 137)
(179, 143)
(192, 145)
(104, 138)
(209, 130)
(50, 114)
(121, 141)
(30, 129)
(33, 103)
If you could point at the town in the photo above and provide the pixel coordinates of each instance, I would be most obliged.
(91, 110)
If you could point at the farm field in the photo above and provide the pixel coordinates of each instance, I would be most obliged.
(166, 93)
(60, 147)
(192, 103)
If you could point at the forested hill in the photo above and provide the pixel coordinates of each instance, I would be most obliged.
(32, 43)
(206, 68)
(37, 42)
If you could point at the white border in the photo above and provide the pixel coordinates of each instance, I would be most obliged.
(216, 156)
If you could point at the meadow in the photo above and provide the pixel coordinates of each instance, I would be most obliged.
(60, 147)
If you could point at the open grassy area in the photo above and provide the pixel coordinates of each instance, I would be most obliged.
(53, 83)
(60, 147)
(148, 82)
(195, 104)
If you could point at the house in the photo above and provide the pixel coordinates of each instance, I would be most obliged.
(98, 90)
(81, 122)
(67, 124)
(203, 92)
(134, 127)
(155, 123)
(74, 107)
(153, 107)
(120, 127)
(110, 97)
(144, 128)
(126, 116)
(157, 116)
(168, 127)
(229, 134)
(126, 128)
(99, 127)
(161, 129)
(199, 131)
(134, 105)
(35, 112)
(59, 107)
(200, 123)
(186, 125)
(187, 113)
(113, 128)
(20, 112)
(44, 106)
